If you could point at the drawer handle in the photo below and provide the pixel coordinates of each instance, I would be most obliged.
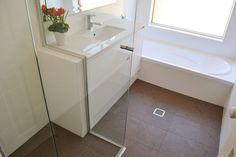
(128, 48)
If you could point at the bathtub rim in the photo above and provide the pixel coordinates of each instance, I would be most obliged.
(229, 80)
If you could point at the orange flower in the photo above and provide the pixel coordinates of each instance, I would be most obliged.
(52, 11)
(60, 11)
(57, 17)
(49, 11)
(44, 9)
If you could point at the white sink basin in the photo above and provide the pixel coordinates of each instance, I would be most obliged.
(92, 42)
(104, 33)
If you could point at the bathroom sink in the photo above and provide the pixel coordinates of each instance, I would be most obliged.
(104, 33)
(92, 42)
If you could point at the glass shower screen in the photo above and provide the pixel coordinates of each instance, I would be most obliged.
(24, 123)
(109, 73)
(101, 37)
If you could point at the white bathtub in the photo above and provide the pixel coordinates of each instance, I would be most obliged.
(198, 75)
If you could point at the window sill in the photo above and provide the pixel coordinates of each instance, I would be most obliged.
(185, 32)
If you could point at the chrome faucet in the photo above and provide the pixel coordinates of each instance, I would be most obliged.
(91, 23)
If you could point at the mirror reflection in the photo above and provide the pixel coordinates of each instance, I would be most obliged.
(75, 6)
(71, 5)
(87, 5)
(110, 16)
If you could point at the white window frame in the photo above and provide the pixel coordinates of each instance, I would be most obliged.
(189, 32)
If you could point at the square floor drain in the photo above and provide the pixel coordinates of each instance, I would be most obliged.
(159, 112)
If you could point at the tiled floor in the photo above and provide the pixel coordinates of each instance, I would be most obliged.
(190, 127)
(68, 144)
(113, 124)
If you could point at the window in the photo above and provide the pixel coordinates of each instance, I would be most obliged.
(203, 17)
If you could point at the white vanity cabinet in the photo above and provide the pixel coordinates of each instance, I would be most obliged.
(63, 82)
(108, 79)
(110, 71)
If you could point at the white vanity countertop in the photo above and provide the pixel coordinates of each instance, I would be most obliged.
(79, 44)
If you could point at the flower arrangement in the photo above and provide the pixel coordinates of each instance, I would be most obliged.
(58, 18)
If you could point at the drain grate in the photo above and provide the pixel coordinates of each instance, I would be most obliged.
(159, 112)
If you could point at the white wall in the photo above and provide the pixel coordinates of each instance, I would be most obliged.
(227, 123)
(227, 48)
(22, 107)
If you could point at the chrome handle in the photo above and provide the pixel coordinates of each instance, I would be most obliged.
(123, 16)
(128, 48)
(233, 113)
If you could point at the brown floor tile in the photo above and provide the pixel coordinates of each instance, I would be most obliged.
(211, 113)
(92, 153)
(46, 149)
(176, 146)
(144, 133)
(113, 124)
(71, 145)
(211, 152)
(191, 127)
(194, 131)
(156, 121)
(136, 149)
(30, 148)
(137, 108)
(144, 113)
(95, 144)
(142, 93)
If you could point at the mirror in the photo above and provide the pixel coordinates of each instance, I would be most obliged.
(87, 5)
(75, 6)
(71, 5)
